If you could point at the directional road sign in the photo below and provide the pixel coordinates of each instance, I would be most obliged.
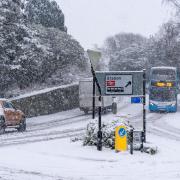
(94, 57)
(120, 82)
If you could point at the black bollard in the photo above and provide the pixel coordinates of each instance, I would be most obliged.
(131, 140)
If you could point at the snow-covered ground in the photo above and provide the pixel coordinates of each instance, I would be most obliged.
(45, 150)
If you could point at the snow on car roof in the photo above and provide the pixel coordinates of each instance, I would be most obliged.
(164, 67)
(3, 99)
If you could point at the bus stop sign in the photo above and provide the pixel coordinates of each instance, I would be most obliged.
(120, 82)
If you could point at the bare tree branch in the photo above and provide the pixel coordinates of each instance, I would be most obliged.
(176, 3)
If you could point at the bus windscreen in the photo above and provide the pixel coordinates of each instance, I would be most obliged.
(163, 75)
(163, 95)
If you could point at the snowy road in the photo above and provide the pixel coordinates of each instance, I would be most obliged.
(44, 151)
(46, 128)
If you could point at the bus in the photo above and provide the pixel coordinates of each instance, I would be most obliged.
(163, 89)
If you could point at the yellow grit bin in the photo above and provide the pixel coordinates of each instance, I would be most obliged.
(121, 138)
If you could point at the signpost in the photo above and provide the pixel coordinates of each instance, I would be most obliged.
(114, 84)
(119, 83)
(94, 57)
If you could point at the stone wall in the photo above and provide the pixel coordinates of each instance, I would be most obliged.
(53, 101)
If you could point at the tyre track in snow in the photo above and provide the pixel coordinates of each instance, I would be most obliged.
(164, 133)
(43, 137)
(155, 124)
(57, 122)
(41, 134)
(46, 126)
(47, 130)
(158, 126)
(44, 131)
(61, 122)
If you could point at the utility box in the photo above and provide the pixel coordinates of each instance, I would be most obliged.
(121, 138)
(137, 140)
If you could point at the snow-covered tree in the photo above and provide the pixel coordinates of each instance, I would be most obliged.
(46, 13)
(125, 51)
(164, 47)
(31, 53)
(131, 58)
(176, 3)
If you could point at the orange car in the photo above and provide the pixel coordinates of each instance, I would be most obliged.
(11, 117)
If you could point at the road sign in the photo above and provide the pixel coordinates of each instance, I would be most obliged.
(136, 100)
(94, 57)
(119, 84)
(116, 83)
(121, 138)
(122, 132)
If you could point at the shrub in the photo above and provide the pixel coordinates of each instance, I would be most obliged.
(108, 133)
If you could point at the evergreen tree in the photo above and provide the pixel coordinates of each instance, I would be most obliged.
(46, 13)
(32, 53)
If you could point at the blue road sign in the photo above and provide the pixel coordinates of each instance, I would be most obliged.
(136, 100)
(122, 132)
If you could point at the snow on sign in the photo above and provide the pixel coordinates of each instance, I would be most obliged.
(115, 83)
(119, 84)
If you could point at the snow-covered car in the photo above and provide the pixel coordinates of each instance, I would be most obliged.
(10, 117)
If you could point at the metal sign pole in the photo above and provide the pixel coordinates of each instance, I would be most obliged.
(99, 145)
(93, 101)
(131, 140)
(99, 135)
(144, 105)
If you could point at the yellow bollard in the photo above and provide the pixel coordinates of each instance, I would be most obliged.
(121, 138)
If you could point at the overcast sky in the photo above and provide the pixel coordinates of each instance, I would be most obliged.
(92, 21)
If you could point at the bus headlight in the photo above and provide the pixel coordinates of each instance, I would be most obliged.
(152, 104)
(173, 104)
